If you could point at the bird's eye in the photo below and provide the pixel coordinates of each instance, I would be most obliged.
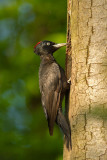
(48, 43)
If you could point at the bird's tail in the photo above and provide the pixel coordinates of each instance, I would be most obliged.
(51, 126)
(62, 123)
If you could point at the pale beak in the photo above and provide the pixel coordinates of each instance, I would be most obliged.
(59, 45)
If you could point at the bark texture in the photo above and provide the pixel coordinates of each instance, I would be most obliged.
(87, 34)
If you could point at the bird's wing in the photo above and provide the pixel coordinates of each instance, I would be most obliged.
(51, 93)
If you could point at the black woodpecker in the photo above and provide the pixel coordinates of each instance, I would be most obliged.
(53, 85)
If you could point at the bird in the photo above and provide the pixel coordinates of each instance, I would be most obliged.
(53, 86)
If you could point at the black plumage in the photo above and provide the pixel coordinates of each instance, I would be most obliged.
(53, 85)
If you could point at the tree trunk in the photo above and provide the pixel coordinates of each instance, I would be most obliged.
(87, 114)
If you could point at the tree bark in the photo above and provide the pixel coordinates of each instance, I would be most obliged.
(86, 33)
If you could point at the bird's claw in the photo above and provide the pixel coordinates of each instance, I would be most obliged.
(69, 80)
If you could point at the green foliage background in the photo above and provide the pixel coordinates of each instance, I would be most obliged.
(23, 127)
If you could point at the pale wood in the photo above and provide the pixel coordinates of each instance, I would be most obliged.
(87, 22)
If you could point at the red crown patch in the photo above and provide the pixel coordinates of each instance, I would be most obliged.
(37, 44)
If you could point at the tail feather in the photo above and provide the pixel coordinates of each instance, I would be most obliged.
(62, 123)
(50, 128)
(51, 122)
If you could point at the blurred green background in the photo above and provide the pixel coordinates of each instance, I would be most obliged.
(24, 132)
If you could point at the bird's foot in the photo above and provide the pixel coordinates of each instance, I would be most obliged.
(69, 80)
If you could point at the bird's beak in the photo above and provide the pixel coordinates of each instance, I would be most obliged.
(59, 45)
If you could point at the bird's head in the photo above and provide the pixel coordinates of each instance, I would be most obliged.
(47, 47)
